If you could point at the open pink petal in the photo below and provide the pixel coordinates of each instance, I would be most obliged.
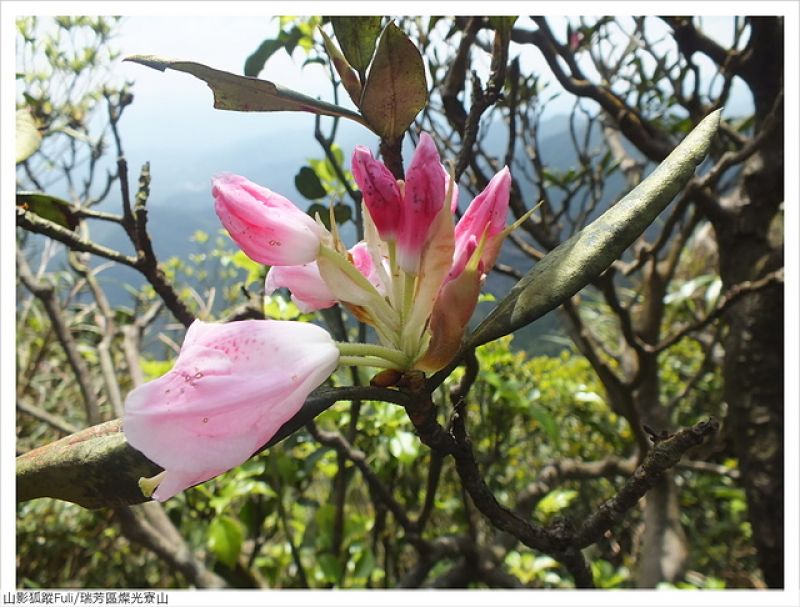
(309, 291)
(232, 387)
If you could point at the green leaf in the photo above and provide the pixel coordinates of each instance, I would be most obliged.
(244, 94)
(396, 89)
(547, 423)
(555, 501)
(255, 62)
(365, 564)
(503, 24)
(576, 261)
(28, 137)
(308, 184)
(225, 537)
(404, 446)
(347, 74)
(341, 213)
(48, 207)
(330, 566)
(357, 36)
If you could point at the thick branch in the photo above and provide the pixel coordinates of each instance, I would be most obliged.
(148, 525)
(96, 467)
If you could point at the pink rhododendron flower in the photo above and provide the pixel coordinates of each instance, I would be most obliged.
(423, 195)
(267, 227)
(484, 218)
(380, 192)
(415, 278)
(404, 211)
(232, 387)
(309, 291)
(452, 310)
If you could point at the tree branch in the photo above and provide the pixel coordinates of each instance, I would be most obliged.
(663, 456)
(726, 301)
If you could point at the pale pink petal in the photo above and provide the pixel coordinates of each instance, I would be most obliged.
(464, 250)
(423, 196)
(363, 261)
(233, 386)
(380, 192)
(308, 290)
(454, 306)
(267, 227)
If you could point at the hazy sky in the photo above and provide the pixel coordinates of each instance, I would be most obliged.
(173, 110)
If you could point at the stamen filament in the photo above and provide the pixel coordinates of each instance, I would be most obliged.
(366, 361)
(148, 485)
(360, 280)
(349, 350)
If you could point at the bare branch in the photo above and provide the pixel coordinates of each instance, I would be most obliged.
(46, 294)
(664, 455)
(726, 301)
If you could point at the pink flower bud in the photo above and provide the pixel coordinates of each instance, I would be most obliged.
(486, 215)
(454, 306)
(232, 387)
(309, 291)
(267, 227)
(380, 191)
(424, 193)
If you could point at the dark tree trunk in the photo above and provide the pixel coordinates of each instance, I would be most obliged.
(749, 232)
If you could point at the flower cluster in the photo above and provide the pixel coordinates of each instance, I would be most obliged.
(415, 278)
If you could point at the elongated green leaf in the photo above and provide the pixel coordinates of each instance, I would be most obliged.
(396, 89)
(49, 207)
(356, 37)
(575, 262)
(245, 94)
(28, 137)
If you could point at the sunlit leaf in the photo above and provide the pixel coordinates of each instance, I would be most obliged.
(576, 261)
(225, 537)
(556, 501)
(364, 565)
(347, 74)
(48, 207)
(356, 37)
(28, 137)
(547, 423)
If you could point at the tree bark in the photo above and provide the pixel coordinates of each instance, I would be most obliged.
(749, 232)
